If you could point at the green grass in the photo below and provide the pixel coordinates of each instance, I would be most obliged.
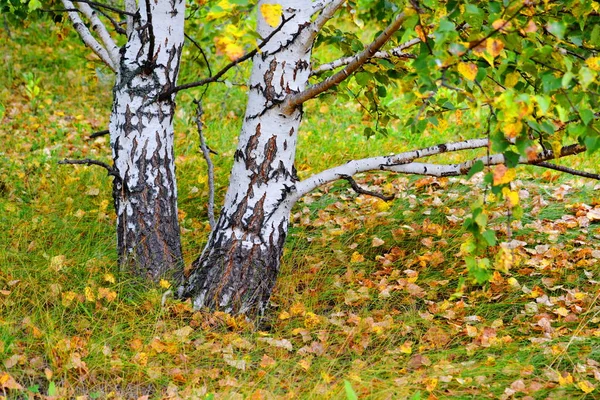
(73, 324)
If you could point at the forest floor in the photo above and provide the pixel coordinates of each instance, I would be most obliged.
(373, 300)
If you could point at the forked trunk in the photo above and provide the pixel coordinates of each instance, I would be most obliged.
(237, 270)
(141, 133)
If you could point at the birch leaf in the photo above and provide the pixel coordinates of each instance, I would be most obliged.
(468, 70)
(271, 13)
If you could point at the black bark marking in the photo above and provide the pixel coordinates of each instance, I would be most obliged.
(270, 92)
(270, 152)
(255, 222)
(252, 145)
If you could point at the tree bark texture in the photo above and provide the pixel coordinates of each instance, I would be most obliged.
(239, 265)
(141, 134)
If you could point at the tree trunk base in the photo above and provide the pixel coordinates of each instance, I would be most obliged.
(234, 275)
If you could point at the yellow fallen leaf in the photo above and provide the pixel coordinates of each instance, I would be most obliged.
(357, 257)
(586, 386)
(468, 70)
(511, 196)
(110, 278)
(565, 380)
(165, 284)
(271, 13)
(7, 382)
(406, 348)
(89, 294)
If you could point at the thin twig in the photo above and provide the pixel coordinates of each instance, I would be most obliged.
(360, 190)
(232, 64)
(210, 167)
(99, 133)
(568, 170)
(87, 161)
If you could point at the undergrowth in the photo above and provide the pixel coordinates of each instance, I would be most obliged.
(372, 299)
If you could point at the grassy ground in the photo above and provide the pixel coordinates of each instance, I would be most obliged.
(372, 297)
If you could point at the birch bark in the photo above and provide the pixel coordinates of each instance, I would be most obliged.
(141, 136)
(238, 267)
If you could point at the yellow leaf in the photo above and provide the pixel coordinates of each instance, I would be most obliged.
(593, 63)
(381, 205)
(357, 257)
(7, 382)
(271, 13)
(512, 129)
(110, 278)
(563, 312)
(233, 51)
(511, 196)
(431, 384)
(67, 298)
(406, 348)
(565, 380)
(503, 175)
(89, 294)
(494, 47)
(511, 79)
(468, 70)
(586, 386)
(165, 284)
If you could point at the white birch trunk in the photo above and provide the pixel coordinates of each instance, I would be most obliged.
(237, 270)
(141, 135)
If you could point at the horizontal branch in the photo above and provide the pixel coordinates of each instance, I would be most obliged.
(568, 170)
(404, 163)
(232, 64)
(354, 167)
(360, 190)
(87, 161)
(292, 101)
(395, 52)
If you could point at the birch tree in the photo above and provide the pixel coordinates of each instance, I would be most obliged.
(491, 59)
(141, 125)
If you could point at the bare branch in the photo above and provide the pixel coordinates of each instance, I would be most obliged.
(568, 170)
(87, 36)
(404, 163)
(360, 190)
(211, 169)
(291, 101)
(395, 52)
(87, 161)
(232, 64)
(98, 27)
(99, 133)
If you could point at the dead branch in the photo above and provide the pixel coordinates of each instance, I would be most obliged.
(360, 190)
(106, 6)
(99, 133)
(87, 161)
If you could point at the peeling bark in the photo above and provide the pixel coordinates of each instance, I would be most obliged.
(238, 267)
(141, 132)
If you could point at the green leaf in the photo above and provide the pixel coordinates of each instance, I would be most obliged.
(490, 237)
(556, 28)
(350, 393)
(475, 168)
(586, 116)
(52, 389)
(512, 159)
